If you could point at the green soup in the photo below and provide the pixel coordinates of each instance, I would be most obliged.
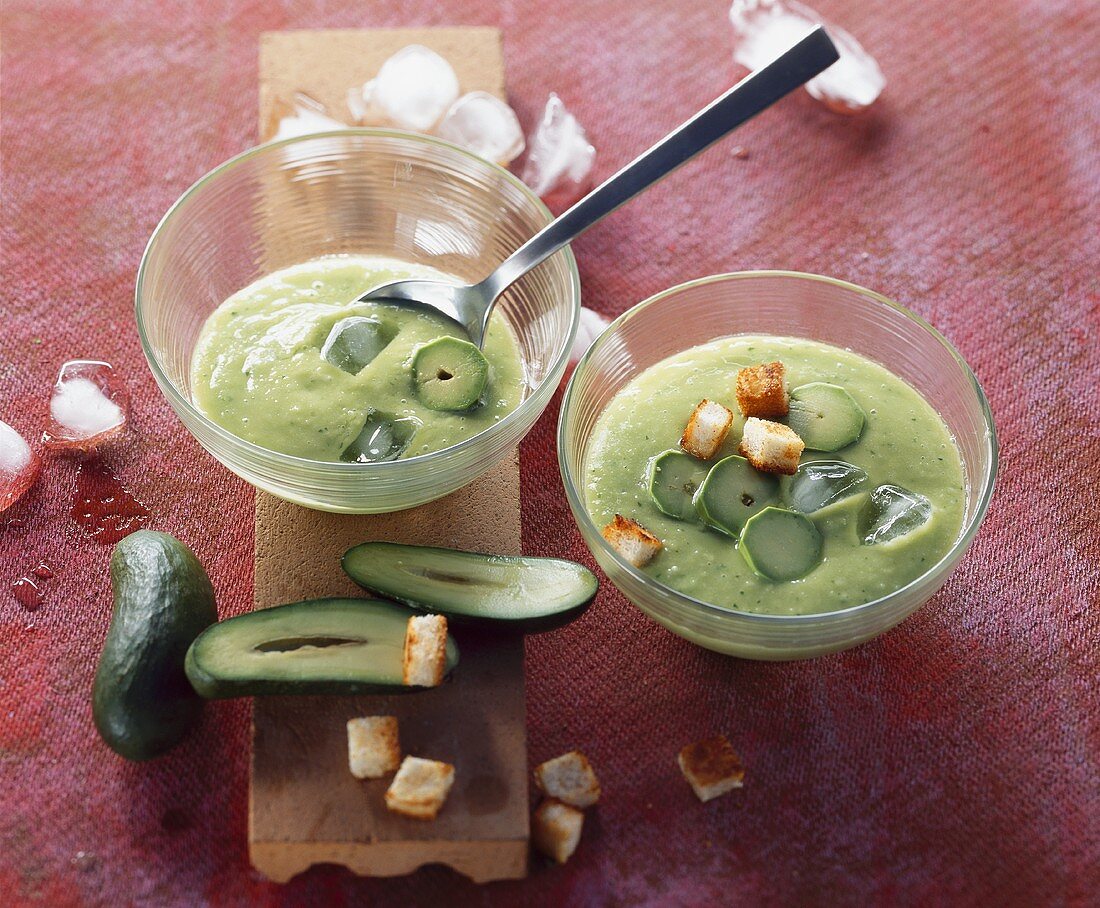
(258, 369)
(904, 442)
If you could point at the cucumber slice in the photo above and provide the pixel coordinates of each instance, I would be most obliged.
(821, 483)
(732, 492)
(891, 513)
(780, 545)
(507, 591)
(673, 478)
(450, 374)
(826, 417)
(320, 646)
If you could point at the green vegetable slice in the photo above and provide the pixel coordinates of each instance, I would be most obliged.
(825, 416)
(508, 591)
(450, 374)
(780, 544)
(319, 646)
(732, 492)
(673, 478)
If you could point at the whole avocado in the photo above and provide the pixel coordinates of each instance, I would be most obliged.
(142, 702)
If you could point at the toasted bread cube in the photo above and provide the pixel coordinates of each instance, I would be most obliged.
(373, 748)
(425, 655)
(569, 779)
(771, 446)
(706, 429)
(632, 540)
(711, 767)
(556, 829)
(420, 788)
(762, 390)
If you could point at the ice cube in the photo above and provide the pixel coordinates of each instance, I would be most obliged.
(309, 116)
(820, 483)
(415, 87)
(19, 466)
(763, 29)
(891, 513)
(561, 158)
(88, 407)
(383, 437)
(484, 124)
(590, 326)
(354, 342)
(359, 102)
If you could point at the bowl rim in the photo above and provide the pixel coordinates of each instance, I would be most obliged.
(966, 536)
(178, 399)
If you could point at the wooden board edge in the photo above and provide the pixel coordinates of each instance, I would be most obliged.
(480, 861)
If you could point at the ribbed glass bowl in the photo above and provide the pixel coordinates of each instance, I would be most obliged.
(794, 305)
(362, 191)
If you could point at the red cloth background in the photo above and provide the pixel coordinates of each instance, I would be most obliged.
(952, 760)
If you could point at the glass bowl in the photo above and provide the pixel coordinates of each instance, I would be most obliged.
(363, 191)
(794, 305)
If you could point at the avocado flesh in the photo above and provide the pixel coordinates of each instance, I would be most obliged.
(509, 591)
(320, 646)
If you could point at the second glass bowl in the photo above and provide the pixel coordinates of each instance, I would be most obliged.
(362, 191)
(792, 305)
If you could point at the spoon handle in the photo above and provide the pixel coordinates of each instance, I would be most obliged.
(754, 93)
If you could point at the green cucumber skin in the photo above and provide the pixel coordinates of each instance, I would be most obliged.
(535, 625)
(142, 702)
(211, 687)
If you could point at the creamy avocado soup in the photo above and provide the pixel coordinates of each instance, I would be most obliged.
(873, 511)
(292, 364)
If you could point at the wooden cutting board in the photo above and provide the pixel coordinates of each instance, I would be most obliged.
(305, 806)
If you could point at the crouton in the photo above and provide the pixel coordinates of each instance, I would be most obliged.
(569, 779)
(556, 829)
(632, 540)
(425, 655)
(711, 767)
(762, 391)
(707, 428)
(420, 788)
(373, 749)
(771, 446)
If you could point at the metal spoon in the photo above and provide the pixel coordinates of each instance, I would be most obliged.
(471, 304)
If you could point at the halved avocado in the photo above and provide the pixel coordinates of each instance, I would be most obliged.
(507, 591)
(320, 646)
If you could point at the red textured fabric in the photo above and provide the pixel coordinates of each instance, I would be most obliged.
(953, 760)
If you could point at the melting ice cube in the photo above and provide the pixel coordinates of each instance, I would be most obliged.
(309, 116)
(893, 512)
(822, 482)
(484, 124)
(88, 407)
(561, 158)
(19, 466)
(590, 326)
(415, 87)
(763, 29)
(382, 438)
(354, 342)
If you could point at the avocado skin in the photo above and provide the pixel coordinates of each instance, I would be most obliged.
(142, 702)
